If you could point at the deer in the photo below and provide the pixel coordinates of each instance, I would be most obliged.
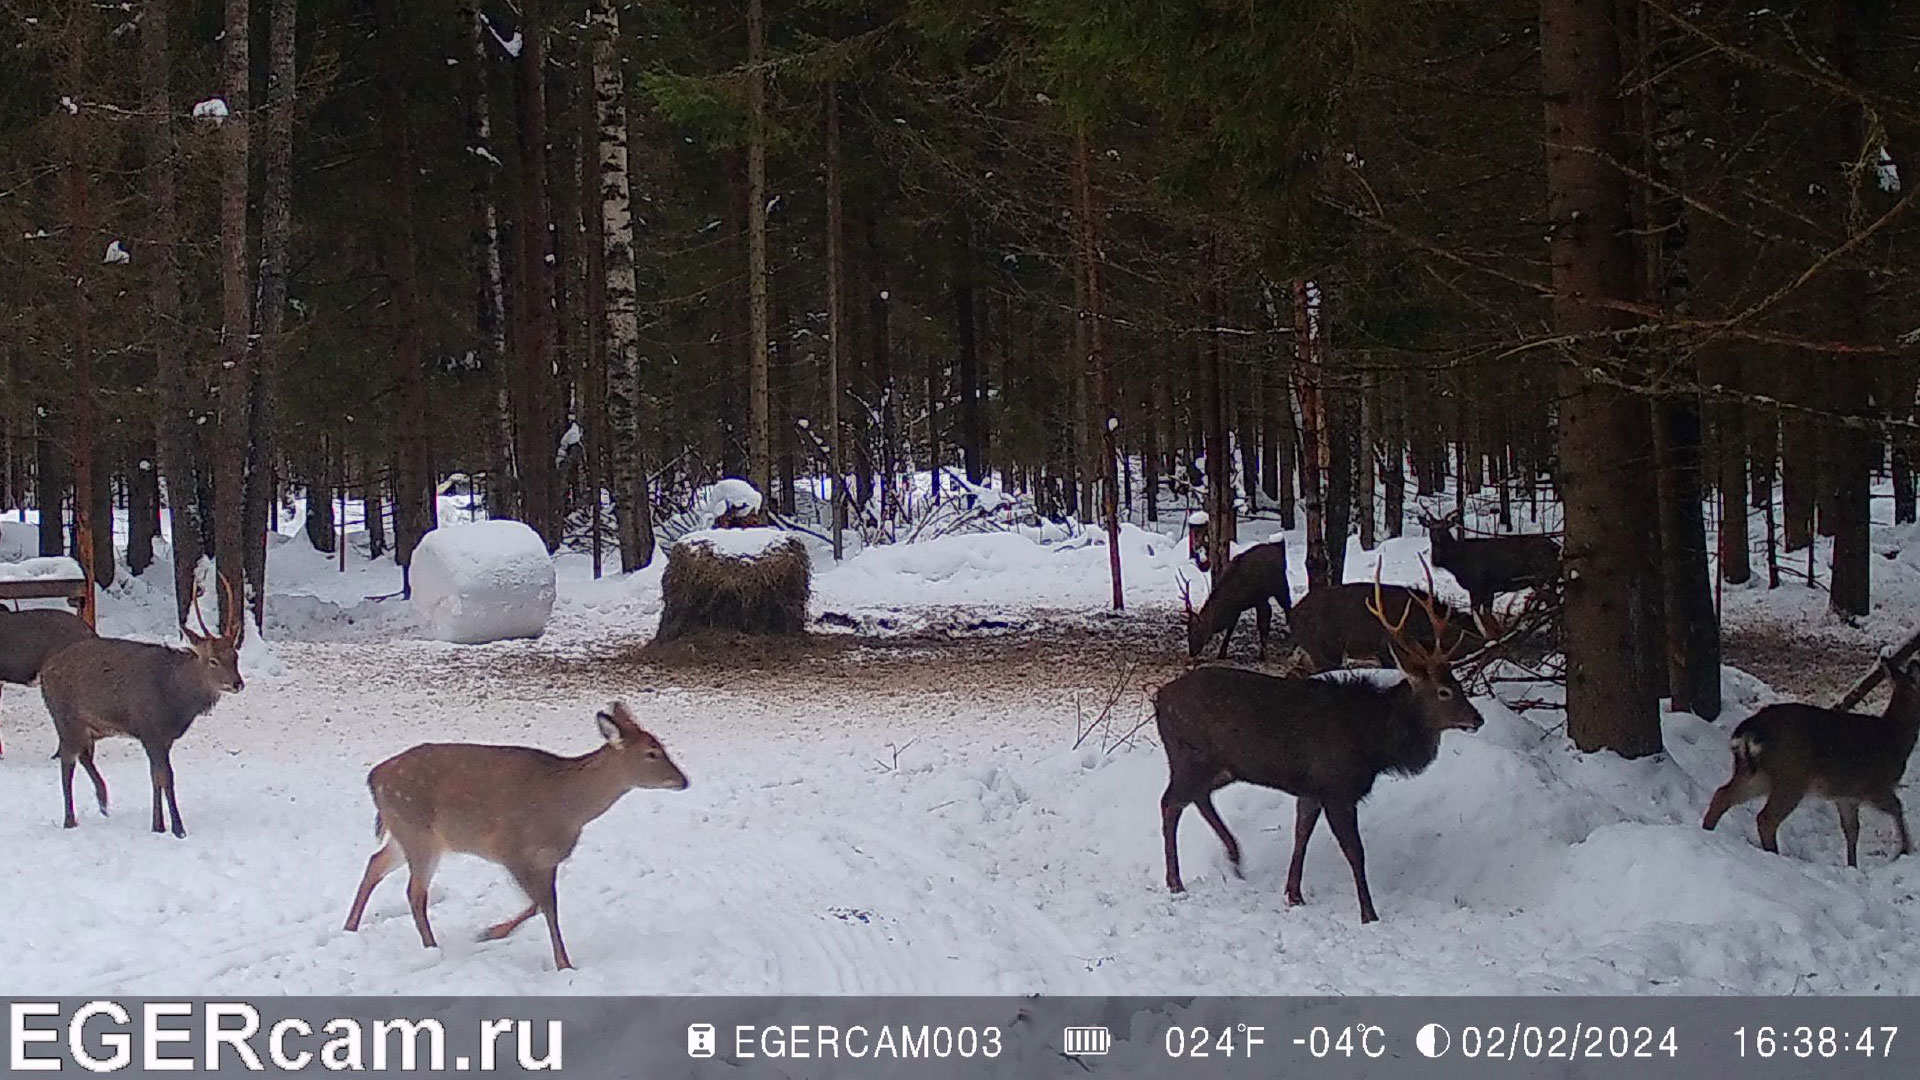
(1335, 625)
(1255, 576)
(1324, 739)
(515, 806)
(1791, 750)
(103, 687)
(1489, 566)
(30, 636)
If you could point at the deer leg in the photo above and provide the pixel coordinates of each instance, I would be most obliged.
(1212, 816)
(1306, 814)
(1890, 804)
(159, 758)
(419, 876)
(1344, 819)
(542, 890)
(379, 866)
(1780, 803)
(99, 782)
(1850, 827)
(502, 929)
(66, 787)
(1226, 634)
(1172, 804)
(1263, 617)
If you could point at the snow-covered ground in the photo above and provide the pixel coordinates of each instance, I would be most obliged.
(907, 815)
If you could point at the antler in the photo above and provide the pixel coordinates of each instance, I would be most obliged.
(198, 615)
(1186, 592)
(1416, 653)
(230, 629)
(1378, 605)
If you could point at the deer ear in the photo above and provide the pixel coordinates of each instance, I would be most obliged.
(609, 729)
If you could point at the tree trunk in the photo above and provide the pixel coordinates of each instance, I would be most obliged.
(320, 519)
(276, 230)
(1799, 477)
(374, 508)
(1096, 359)
(1394, 456)
(83, 435)
(1736, 557)
(490, 316)
(759, 445)
(236, 296)
(1307, 374)
(632, 502)
(1212, 389)
(143, 503)
(414, 504)
(535, 423)
(1692, 629)
(1364, 439)
(1610, 705)
(836, 321)
(973, 416)
(50, 483)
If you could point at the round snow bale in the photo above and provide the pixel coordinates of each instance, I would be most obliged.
(735, 581)
(483, 581)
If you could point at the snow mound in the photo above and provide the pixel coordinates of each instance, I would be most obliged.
(738, 543)
(40, 569)
(732, 493)
(483, 581)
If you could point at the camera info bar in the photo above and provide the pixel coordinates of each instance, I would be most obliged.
(743, 1038)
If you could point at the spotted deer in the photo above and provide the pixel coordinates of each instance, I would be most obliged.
(514, 806)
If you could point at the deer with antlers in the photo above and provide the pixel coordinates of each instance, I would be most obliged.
(102, 687)
(1324, 739)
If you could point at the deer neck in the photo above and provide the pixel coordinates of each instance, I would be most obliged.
(1405, 744)
(592, 784)
(188, 684)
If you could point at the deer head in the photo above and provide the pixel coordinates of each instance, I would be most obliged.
(219, 652)
(1443, 702)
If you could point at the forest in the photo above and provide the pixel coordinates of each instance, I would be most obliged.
(1636, 267)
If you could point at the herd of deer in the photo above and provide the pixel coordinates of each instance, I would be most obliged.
(1326, 740)
(515, 806)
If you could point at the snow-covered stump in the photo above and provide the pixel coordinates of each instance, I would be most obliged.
(483, 581)
(735, 581)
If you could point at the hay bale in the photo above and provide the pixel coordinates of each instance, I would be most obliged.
(735, 581)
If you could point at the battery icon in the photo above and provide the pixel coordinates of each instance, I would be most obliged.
(700, 1040)
(1086, 1041)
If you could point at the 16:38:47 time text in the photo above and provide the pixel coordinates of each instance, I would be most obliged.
(1767, 1041)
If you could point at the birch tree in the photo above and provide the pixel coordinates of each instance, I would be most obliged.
(632, 502)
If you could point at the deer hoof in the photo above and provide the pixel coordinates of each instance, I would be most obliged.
(1294, 899)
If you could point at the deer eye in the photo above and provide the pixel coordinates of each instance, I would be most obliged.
(653, 754)
(1444, 694)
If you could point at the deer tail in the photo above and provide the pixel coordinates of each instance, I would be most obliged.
(379, 825)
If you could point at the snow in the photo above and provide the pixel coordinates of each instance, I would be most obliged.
(214, 109)
(483, 581)
(569, 439)
(1887, 172)
(1197, 517)
(738, 543)
(732, 493)
(45, 568)
(117, 253)
(915, 821)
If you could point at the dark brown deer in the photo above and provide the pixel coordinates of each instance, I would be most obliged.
(1490, 566)
(1335, 625)
(1254, 577)
(1324, 739)
(108, 686)
(1789, 751)
(29, 637)
(515, 806)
